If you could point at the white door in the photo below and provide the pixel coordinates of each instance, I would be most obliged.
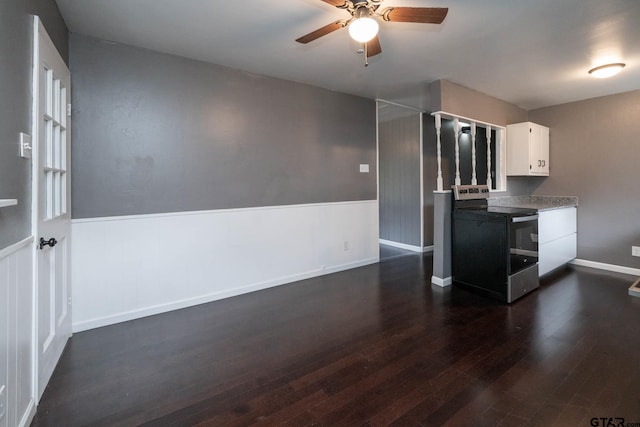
(51, 204)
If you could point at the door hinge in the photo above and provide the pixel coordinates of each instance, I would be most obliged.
(68, 110)
(69, 301)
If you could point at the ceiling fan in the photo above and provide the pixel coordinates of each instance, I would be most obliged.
(363, 27)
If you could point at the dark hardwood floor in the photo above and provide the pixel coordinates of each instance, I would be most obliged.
(372, 346)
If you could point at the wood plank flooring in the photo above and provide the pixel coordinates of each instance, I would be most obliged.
(373, 346)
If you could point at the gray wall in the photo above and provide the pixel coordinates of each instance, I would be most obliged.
(465, 102)
(16, 27)
(429, 175)
(595, 155)
(159, 133)
(399, 156)
(53, 22)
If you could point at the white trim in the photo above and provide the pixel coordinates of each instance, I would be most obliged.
(378, 161)
(8, 202)
(501, 160)
(401, 245)
(421, 115)
(213, 211)
(28, 414)
(634, 290)
(442, 192)
(400, 105)
(438, 126)
(607, 267)
(189, 302)
(451, 116)
(15, 247)
(443, 283)
(427, 249)
(35, 191)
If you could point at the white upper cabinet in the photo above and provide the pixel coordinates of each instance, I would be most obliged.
(527, 149)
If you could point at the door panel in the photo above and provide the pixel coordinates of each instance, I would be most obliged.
(51, 202)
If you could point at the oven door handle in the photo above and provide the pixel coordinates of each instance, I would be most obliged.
(524, 218)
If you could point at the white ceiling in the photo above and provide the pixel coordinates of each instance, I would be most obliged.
(532, 53)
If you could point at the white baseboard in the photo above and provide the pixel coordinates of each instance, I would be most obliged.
(634, 290)
(190, 302)
(151, 264)
(447, 281)
(28, 414)
(608, 267)
(412, 248)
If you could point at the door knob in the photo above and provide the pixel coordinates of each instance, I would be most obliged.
(51, 242)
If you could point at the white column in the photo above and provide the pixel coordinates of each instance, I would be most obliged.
(438, 127)
(456, 132)
(489, 183)
(474, 179)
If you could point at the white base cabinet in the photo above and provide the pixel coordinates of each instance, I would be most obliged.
(557, 238)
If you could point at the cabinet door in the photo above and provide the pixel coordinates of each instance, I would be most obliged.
(543, 144)
(538, 149)
(535, 163)
(527, 149)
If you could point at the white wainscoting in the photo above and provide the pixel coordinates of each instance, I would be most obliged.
(129, 267)
(17, 400)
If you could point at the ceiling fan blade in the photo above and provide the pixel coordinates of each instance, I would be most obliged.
(337, 3)
(424, 15)
(321, 32)
(373, 47)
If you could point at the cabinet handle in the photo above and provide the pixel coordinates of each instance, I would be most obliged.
(539, 163)
(544, 163)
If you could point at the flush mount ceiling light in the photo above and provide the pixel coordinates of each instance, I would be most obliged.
(607, 70)
(363, 28)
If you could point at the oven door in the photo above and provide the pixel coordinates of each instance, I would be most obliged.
(523, 242)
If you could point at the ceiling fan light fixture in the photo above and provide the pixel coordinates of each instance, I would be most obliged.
(363, 28)
(607, 70)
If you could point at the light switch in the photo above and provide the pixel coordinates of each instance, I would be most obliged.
(364, 168)
(25, 146)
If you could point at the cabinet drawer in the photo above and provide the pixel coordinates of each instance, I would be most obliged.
(556, 253)
(556, 223)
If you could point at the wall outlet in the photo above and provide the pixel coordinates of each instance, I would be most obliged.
(364, 168)
(635, 250)
(346, 245)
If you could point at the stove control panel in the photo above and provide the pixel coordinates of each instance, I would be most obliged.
(470, 192)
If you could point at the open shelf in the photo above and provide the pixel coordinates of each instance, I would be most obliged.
(8, 202)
